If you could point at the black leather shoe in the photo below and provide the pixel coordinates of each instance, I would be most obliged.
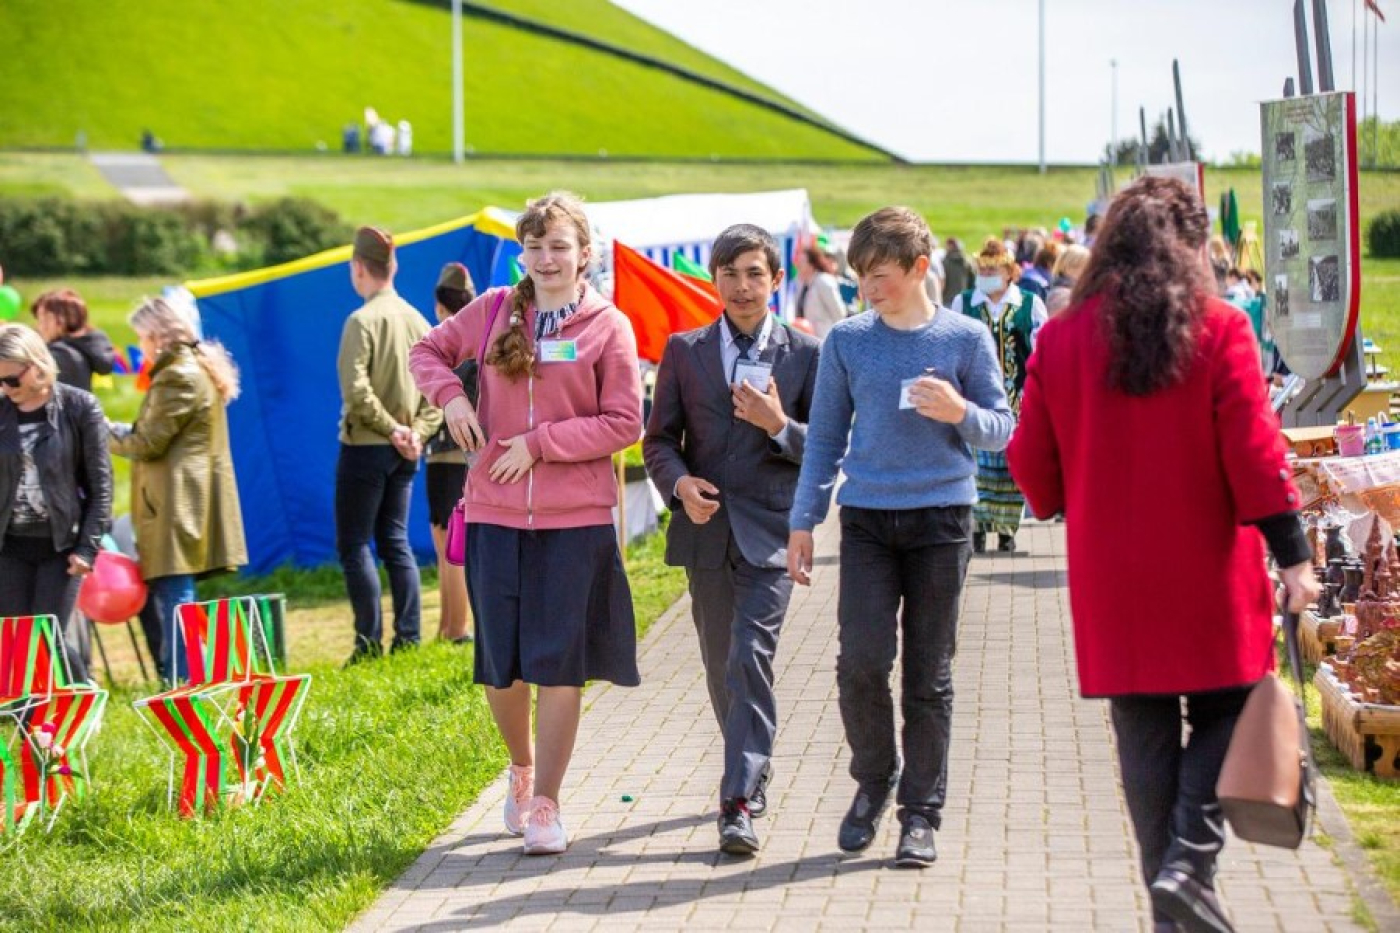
(979, 542)
(1191, 904)
(863, 818)
(758, 803)
(916, 849)
(1006, 544)
(736, 835)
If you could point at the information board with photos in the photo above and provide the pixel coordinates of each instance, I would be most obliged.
(1312, 255)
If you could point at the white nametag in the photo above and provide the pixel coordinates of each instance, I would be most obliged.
(904, 386)
(755, 372)
(558, 351)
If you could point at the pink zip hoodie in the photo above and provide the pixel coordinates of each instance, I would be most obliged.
(574, 415)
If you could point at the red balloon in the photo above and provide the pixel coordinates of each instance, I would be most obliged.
(114, 591)
(804, 325)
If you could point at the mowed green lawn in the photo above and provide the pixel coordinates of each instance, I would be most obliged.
(390, 752)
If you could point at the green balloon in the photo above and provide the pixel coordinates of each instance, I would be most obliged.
(10, 303)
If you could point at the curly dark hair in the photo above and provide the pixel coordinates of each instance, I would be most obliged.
(1147, 265)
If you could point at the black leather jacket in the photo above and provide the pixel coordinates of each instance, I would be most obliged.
(75, 469)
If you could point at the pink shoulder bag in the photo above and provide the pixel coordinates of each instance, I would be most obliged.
(456, 544)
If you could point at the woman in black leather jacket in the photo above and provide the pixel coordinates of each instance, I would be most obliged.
(55, 485)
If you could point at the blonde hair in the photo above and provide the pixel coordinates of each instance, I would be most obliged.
(512, 353)
(995, 255)
(20, 344)
(1072, 262)
(167, 326)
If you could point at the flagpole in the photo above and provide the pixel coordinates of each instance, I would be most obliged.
(1376, 90)
(1353, 46)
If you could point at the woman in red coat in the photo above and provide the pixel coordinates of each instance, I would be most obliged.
(1145, 420)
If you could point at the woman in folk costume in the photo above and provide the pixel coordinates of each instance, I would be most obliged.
(1013, 316)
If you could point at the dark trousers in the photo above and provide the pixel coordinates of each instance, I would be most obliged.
(901, 570)
(34, 581)
(373, 486)
(738, 611)
(1170, 785)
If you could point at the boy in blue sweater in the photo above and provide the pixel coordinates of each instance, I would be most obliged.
(903, 395)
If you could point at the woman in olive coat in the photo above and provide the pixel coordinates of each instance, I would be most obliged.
(184, 499)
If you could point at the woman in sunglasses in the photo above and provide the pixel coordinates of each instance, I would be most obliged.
(184, 500)
(55, 486)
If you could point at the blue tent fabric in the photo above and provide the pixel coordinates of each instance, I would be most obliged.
(283, 327)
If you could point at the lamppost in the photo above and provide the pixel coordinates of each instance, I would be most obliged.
(1042, 87)
(458, 125)
(1113, 122)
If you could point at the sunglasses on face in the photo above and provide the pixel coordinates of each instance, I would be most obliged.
(13, 382)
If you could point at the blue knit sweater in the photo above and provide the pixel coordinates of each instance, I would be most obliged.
(897, 458)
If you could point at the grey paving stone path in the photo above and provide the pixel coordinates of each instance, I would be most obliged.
(1035, 836)
(139, 177)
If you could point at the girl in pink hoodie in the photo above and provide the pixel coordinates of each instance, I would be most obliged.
(559, 395)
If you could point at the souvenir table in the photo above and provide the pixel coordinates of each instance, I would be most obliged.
(1354, 632)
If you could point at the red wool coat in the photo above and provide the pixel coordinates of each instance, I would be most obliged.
(1167, 583)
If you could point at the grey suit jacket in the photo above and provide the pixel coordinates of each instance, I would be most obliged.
(693, 432)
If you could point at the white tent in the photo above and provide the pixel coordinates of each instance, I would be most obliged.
(689, 223)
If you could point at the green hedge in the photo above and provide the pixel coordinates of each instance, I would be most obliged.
(45, 237)
(1383, 236)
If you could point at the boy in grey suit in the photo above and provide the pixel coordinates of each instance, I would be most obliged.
(725, 438)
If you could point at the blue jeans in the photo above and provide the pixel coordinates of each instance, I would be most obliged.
(373, 486)
(164, 594)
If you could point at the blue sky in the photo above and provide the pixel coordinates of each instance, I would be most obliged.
(940, 80)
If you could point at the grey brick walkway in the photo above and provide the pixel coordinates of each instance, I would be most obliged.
(1035, 836)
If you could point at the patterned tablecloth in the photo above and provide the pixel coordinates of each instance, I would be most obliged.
(1357, 483)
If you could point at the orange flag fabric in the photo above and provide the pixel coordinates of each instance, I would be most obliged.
(659, 302)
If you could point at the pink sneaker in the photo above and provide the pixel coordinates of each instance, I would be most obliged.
(545, 833)
(522, 786)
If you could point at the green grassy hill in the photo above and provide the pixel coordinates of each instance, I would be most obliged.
(288, 74)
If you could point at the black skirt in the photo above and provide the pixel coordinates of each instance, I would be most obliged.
(552, 608)
(445, 482)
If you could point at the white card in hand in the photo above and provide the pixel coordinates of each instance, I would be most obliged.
(755, 372)
(904, 386)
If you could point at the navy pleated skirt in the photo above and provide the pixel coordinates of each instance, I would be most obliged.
(552, 608)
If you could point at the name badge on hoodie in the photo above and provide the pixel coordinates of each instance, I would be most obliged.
(558, 351)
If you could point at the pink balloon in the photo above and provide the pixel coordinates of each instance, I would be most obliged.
(114, 591)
